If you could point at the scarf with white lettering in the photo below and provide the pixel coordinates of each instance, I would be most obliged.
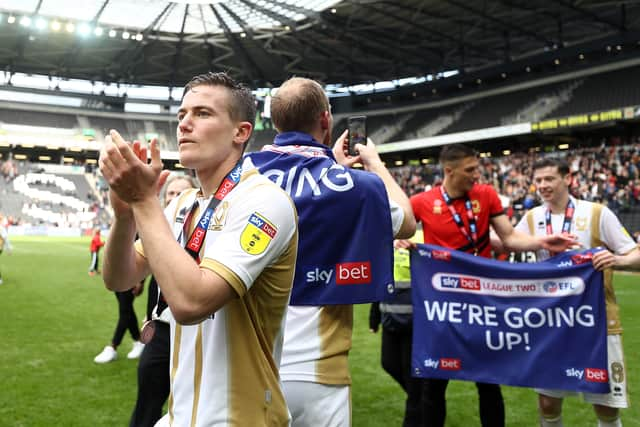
(345, 245)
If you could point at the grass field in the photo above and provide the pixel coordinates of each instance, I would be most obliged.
(54, 319)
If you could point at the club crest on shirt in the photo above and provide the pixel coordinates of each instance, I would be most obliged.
(219, 218)
(257, 234)
(437, 207)
(581, 223)
(475, 206)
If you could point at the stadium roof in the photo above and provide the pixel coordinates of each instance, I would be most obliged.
(161, 42)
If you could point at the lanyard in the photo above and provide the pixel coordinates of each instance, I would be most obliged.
(473, 237)
(566, 222)
(194, 244)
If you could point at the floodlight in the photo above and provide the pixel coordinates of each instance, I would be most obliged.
(55, 26)
(139, 37)
(41, 24)
(70, 27)
(25, 21)
(112, 33)
(11, 19)
(98, 31)
(84, 29)
(125, 35)
(334, 10)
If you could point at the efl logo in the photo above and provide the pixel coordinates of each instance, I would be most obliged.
(470, 283)
(596, 375)
(353, 273)
(441, 255)
(550, 287)
(581, 258)
(449, 364)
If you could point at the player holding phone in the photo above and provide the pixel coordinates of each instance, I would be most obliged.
(357, 126)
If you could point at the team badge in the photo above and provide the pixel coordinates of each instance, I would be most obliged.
(581, 223)
(437, 207)
(257, 234)
(475, 206)
(219, 218)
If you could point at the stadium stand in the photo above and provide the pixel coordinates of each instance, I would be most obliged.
(38, 118)
(608, 174)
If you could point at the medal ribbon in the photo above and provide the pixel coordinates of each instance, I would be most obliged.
(194, 244)
(472, 237)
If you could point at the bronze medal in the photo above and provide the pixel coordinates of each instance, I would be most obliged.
(147, 331)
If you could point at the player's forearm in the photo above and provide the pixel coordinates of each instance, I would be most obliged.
(517, 241)
(630, 260)
(120, 268)
(191, 293)
(396, 194)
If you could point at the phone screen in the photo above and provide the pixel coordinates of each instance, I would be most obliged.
(357, 133)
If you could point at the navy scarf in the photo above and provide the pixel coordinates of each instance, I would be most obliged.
(345, 246)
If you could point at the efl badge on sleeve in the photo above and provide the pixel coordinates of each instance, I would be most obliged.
(257, 234)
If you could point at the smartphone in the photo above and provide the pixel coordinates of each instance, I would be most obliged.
(357, 126)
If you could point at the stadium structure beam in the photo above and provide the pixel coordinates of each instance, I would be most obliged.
(270, 13)
(458, 40)
(372, 42)
(245, 28)
(501, 23)
(309, 13)
(594, 16)
(251, 67)
(99, 12)
(425, 29)
(134, 53)
(178, 53)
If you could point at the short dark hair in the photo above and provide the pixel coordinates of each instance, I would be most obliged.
(242, 107)
(561, 164)
(456, 152)
(297, 105)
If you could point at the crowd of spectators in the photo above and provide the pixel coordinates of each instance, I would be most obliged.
(607, 173)
(9, 170)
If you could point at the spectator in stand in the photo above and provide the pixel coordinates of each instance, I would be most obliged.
(94, 249)
(153, 369)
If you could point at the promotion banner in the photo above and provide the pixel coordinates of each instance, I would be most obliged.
(534, 325)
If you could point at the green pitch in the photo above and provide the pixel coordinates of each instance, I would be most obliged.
(55, 319)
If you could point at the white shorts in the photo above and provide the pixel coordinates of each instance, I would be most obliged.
(318, 405)
(617, 397)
